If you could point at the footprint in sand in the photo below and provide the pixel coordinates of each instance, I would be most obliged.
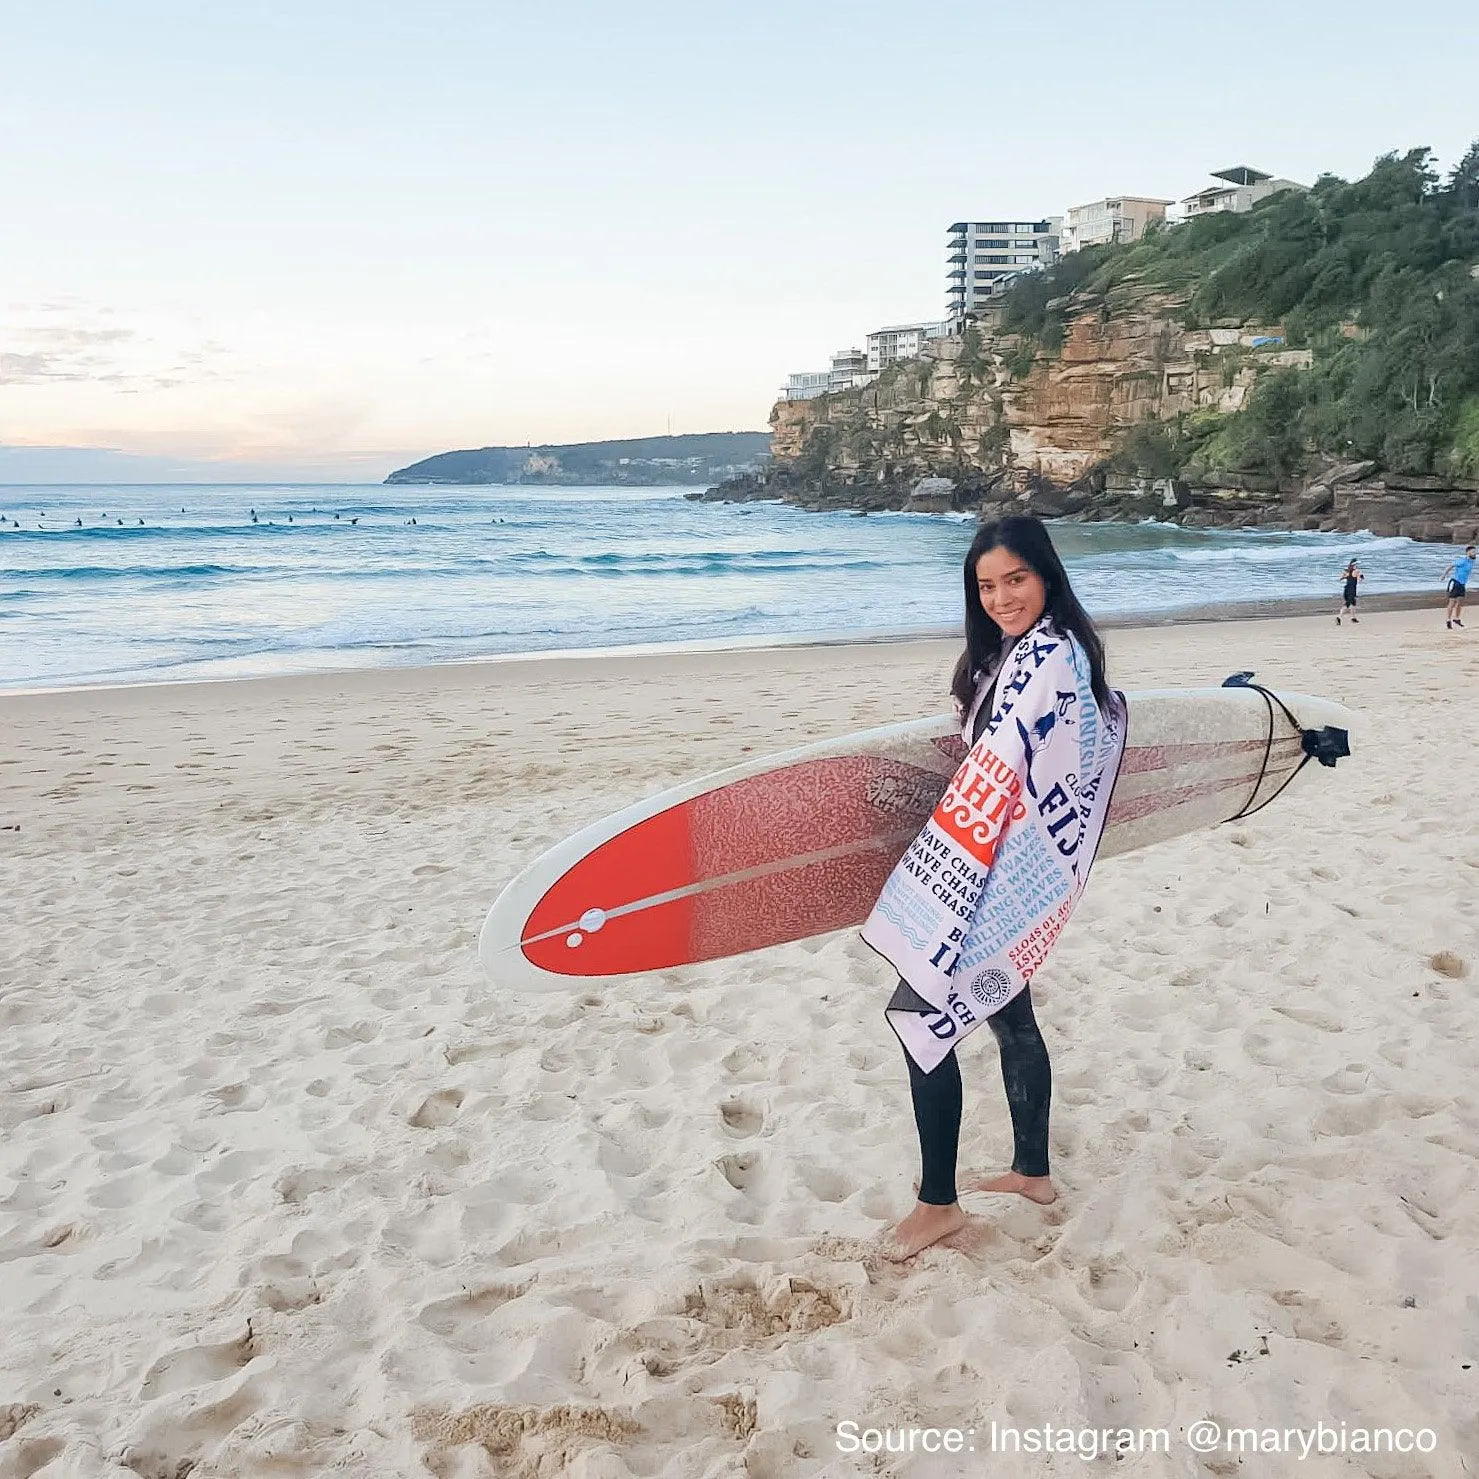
(439, 1110)
(746, 1063)
(548, 1107)
(742, 1118)
(825, 1183)
(32, 1455)
(345, 1037)
(536, 1243)
(235, 1098)
(291, 1295)
(197, 1366)
(1110, 1285)
(741, 1169)
(1310, 1322)
(622, 1161)
(1354, 1078)
(1355, 1117)
(469, 1052)
(63, 1234)
(298, 1183)
(458, 1320)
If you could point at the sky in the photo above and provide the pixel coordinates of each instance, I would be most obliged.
(323, 239)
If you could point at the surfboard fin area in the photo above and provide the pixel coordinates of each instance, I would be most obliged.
(799, 844)
(1326, 745)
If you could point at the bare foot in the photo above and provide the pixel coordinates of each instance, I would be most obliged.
(1035, 1188)
(924, 1226)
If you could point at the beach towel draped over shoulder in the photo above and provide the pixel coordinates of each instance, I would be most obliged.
(974, 905)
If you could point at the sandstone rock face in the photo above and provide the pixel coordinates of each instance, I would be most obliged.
(957, 411)
(995, 425)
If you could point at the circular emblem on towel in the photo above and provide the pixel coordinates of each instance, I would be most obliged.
(991, 987)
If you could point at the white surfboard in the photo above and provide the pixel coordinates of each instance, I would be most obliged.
(799, 844)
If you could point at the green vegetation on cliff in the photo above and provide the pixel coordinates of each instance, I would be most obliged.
(1378, 278)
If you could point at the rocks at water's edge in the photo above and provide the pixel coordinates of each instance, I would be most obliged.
(1443, 515)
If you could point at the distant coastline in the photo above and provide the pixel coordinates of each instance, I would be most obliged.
(698, 458)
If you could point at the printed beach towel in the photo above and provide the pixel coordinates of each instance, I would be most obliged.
(974, 905)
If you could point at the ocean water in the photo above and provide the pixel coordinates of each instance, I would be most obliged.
(139, 583)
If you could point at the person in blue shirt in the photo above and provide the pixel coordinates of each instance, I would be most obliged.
(1457, 575)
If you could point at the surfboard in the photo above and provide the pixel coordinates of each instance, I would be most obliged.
(799, 844)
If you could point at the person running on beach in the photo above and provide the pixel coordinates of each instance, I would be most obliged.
(1045, 737)
(1351, 577)
(1457, 575)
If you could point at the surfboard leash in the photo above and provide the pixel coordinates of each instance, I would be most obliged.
(1326, 745)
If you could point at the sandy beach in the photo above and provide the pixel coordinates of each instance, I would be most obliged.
(287, 1188)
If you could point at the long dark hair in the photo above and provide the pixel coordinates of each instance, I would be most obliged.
(1028, 539)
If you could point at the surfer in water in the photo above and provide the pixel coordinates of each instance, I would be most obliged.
(1350, 577)
(1024, 628)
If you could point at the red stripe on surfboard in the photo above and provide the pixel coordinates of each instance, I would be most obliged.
(1140, 759)
(812, 899)
(762, 819)
(1132, 809)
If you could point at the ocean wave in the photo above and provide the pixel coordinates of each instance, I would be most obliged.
(71, 534)
(1329, 546)
(73, 573)
(949, 516)
(720, 562)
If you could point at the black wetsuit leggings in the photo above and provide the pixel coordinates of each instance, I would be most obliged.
(938, 1100)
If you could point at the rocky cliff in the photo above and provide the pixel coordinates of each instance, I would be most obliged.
(990, 420)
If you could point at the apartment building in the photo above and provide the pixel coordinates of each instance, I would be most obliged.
(1242, 189)
(804, 386)
(983, 255)
(849, 370)
(1114, 219)
(901, 341)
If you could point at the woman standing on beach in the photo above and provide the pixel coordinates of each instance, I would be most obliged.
(1351, 577)
(977, 901)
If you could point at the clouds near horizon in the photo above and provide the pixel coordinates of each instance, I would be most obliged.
(329, 234)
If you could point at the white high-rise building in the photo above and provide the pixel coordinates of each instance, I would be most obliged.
(983, 255)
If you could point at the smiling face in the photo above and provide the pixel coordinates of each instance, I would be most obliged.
(1012, 592)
